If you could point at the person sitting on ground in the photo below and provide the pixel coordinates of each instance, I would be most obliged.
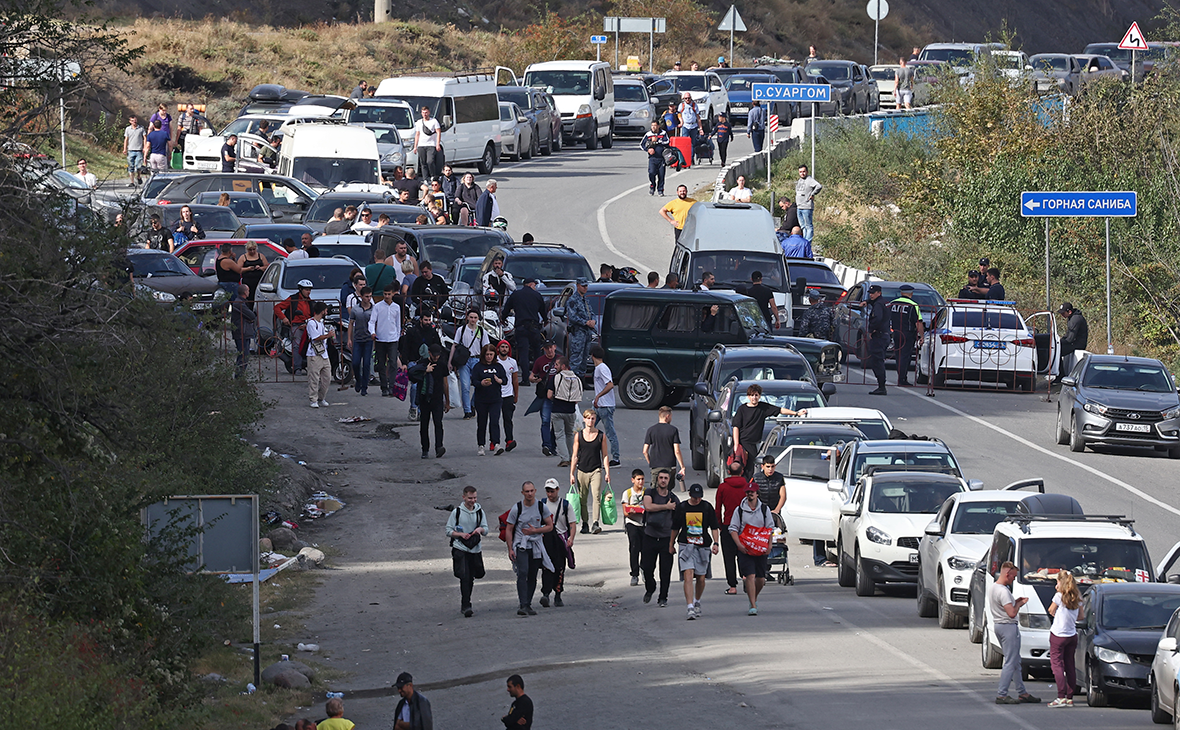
(740, 193)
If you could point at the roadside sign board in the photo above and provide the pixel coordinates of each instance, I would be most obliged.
(878, 9)
(1133, 40)
(732, 21)
(634, 25)
(598, 39)
(792, 92)
(1095, 204)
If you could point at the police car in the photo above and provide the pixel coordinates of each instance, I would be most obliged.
(983, 341)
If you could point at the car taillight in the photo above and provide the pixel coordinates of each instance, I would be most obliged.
(163, 202)
(951, 339)
(1026, 342)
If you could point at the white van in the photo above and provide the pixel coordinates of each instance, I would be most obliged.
(465, 105)
(585, 96)
(326, 156)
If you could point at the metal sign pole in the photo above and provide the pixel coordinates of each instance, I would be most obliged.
(616, 46)
(1109, 346)
(651, 48)
(257, 621)
(876, 32)
(731, 44)
(812, 168)
(1133, 55)
(1048, 299)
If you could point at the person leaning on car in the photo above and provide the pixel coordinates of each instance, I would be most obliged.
(1077, 336)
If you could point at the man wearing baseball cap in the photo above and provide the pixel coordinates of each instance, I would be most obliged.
(695, 537)
(1077, 336)
(877, 320)
(413, 710)
(752, 513)
(559, 543)
(981, 287)
(581, 326)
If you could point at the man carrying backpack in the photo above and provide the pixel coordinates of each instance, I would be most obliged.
(564, 391)
(465, 528)
(524, 527)
(559, 543)
(749, 518)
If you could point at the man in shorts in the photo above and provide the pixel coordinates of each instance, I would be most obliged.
(751, 513)
(695, 538)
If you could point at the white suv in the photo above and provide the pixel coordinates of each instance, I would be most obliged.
(706, 90)
(979, 341)
(883, 522)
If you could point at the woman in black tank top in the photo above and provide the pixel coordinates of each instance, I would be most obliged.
(252, 264)
(589, 465)
(229, 273)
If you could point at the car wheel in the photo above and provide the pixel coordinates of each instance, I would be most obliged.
(557, 142)
(845, 575)
(1094, 696)
(926, 606)
(974, 630)
(487, 162)
(609, 140)
(592, 141)
(673, 398)
(920, 377)
(991, 657)
(641, 388)
(1076, 444)
(1158, 716)
(527, 152)
(947, 619)
(864, 582)
(548, 148)
(1062, 432)
(699, 461)
(1174, 452)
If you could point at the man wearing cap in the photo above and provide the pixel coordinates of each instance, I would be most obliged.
(434, 397)
(756, 125)
(751, 512)
(529, 307)
(980, 288)
(559, 543)
(906, 320)
(968, 290)
(581, 326)
(694, 538)
(294, 311)
(819, 320)
(659, 503)
(413, 710)
(1077, 336)
(877, 319)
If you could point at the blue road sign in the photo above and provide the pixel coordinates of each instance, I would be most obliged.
(1096, 204)
(792, 92)
(598, 39)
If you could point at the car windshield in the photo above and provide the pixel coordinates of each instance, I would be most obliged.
(953, 56)
(454, 244)
(564, 268)
(394, 115)
(386, 135)
(248, 207)
(1138, 611)
(1008, 61)
(1050, 63)
(506, 113)
(159, 265)
(1127, 376)
(813, 273)
(520, 98)
(793, 369)
(883, 74)
(690, 83)
(1090, 561)
(213, 218)
(630, 92)
(745, 83)
(986, 319)
(872, 428)
(469, 273)
(733, 268)
(417, 102)
(560, 82)
(980, 518)
(901, 460)
(321, 276)
(328, 172)
(361, 253)
(751, 316)
(1110, 50)
(69, 180)
(794, 401)
(152, 187)
(830, 71)
(812, 462)
(321, 210)
(918, 497)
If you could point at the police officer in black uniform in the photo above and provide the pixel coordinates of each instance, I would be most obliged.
(529, 307)
(906, 319)
(878, 326)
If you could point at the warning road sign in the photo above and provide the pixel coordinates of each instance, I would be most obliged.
(1133, 40)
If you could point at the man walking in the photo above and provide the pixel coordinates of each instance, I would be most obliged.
(806, 188)
(904, 78)
(878, 324)
(564, 392)
(434, 398)
(659, 503)
(413, 710)
(730, 494)
(243, 321)
(360, 340)
(690, 119)
(654, 143)
(906, 320)
(385, 329)
(134, 142)
(294, 311)
(676, 211)
(159, 145)
(1077, 336)
(319, 366)
(756, 126)
(581, 326)
(427, 143)
(559, 543)
(520, 714)
(529, 307)
(695, 533)
(632, 504)
(466, 527)
(604, 401)
(661, 445)
(510, 391)
(528, 521)
(751, 513)
(542, 369)
(1003, 612)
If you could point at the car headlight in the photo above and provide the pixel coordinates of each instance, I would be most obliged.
(583, 111)
(1034, 620)
(1110, 656)
(878, 536)
(163, 296)
(957, 563)
(1169, 415)
(220, 295)
(641, 114)
(1095, 408)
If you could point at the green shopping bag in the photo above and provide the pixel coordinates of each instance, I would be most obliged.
(574, 497)
(610, 511)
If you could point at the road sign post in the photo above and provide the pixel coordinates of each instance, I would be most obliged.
(813, 93)
(598, 41)
(1134, 42)
(732, 22)
(878, 9)
(1094, 204)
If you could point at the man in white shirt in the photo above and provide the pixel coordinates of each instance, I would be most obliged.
(385, 325)
(740, 193)
(1004, 611)
(319, 366)
(301, 252)
(88, 177)
(427, 143)
(604, 401)
(510, 391)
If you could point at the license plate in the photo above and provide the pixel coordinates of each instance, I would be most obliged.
(990, 345)
(1133, 427)
(914, 558)
(739, 107)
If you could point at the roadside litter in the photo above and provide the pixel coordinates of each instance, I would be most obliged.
(353, 419)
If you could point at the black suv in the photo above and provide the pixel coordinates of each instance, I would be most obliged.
(657, 340)
(283, 194)
(551, 264)
(440, 245)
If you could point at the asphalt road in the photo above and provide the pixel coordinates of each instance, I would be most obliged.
(817, 656)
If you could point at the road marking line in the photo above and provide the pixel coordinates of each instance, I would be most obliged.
(602, 218)
(1037, 447)
(984, 700)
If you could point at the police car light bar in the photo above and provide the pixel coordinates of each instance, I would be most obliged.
(983, 302)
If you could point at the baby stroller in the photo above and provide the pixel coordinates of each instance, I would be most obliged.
(778, 554)
(702, 149)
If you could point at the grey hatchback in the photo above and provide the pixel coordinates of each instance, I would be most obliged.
(1118, 400)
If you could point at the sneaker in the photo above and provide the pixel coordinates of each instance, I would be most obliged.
(1007, 701)
(496, 451)
(1059, 702)
(324, 404)
(752, 612)
(647, 596)
(696, 607)
(879, 391)
(546, 451)
(903, 383)
(510, 446)
(595, 529)
(413, 413)
(315, 405)
(662, 603)
(557, 601)
(438, 453)
(425, 455)
(585, 528)
(563, 463)
(1028, 699)
(651, 191)
(615, 462)
(692, 615)
(521, 612)
(545, 601)
(469, 415)
(530, 610)
(468, 613)
(634, 580)
(481, 451)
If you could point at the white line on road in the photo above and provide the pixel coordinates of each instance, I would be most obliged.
(602, 220)
(1037, 447)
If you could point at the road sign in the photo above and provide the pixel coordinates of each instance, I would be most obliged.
(792, 92)
(598, 39)
(732, 21)
(878, 9)
(633, 25)
(1096, 204)
(1133, 40)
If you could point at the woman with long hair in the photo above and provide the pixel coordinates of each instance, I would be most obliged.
(589, 464)
(1063, 637)
(489, 379)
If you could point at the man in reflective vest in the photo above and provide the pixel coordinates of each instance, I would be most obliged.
(906, 319)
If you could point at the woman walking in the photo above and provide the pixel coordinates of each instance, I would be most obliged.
(470, 339)
(1063, 637)
(589, 464)
(489, 378)
(724, 133)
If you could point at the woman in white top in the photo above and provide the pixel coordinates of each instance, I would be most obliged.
(1063, 637)
(740, 193)
(473, 337)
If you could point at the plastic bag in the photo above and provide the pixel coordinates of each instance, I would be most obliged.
(574, 497)
(610, 511)
(401, 385)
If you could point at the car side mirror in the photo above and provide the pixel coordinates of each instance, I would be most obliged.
(447, 122)
(208, 272)
(1070, 381)
(974, 485)
(821, 80)
(713, 417)
(276, 215)
(850, 509)
(700, 387)
(559, 312)
(296, 217)
(266, 287)
(1167, 643)
(835, 485)
(934, 529)
(828, 389)
(599, 93)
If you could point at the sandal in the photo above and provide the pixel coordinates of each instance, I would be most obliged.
(731, 591)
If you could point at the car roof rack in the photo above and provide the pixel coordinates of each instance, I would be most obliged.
(1023, 520)
(874, 468)
(804, 420)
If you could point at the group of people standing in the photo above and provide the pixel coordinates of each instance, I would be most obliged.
(148, 149)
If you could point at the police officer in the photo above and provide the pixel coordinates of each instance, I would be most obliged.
(878, 334)
(581, 327)
(529, 307)
(906, 318)
(655, 143)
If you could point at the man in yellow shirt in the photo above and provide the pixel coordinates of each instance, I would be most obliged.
(335, 721)
(676, 211)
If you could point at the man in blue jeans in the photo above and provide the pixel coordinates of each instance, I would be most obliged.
(1003, 611)
(806, 188)
(528, 521)
(543, 367)
(604, 401)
